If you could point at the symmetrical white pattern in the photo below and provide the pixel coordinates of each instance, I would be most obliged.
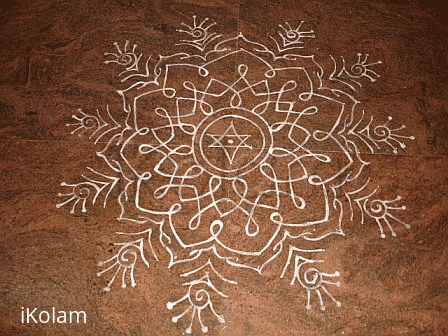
(236, 170)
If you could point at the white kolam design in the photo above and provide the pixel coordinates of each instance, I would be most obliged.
(235, 154)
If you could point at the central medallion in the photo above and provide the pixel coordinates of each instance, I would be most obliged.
(232, 142)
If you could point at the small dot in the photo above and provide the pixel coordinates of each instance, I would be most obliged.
(230, 141)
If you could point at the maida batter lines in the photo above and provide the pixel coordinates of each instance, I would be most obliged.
(252, 146)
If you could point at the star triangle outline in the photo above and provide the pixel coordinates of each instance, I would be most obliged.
(230, 132)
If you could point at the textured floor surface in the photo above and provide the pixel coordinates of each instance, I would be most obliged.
(223, 168)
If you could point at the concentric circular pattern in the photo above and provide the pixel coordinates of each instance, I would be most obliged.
(243, 136)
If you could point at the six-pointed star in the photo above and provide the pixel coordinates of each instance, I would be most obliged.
(230, 142)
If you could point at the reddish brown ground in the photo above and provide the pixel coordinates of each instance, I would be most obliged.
(51, 64)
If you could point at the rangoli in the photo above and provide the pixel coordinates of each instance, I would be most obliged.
(231, 154)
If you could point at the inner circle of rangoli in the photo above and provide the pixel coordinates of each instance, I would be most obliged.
(216, 172)
(232, 142)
